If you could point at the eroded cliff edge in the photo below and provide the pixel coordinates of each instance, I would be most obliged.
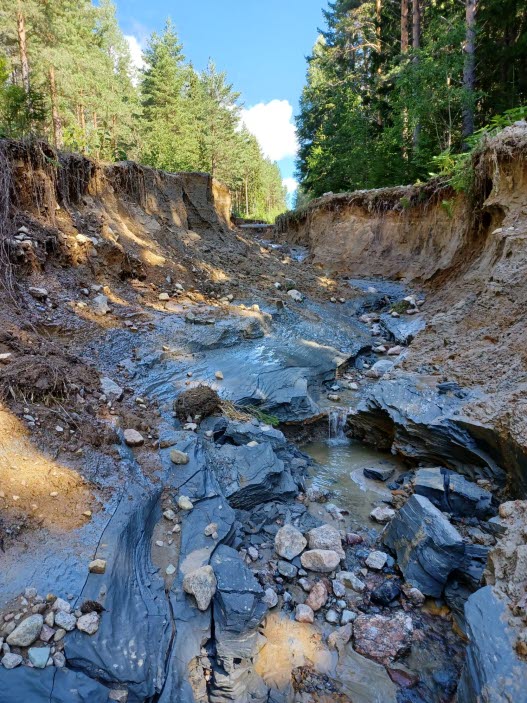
(468, 254)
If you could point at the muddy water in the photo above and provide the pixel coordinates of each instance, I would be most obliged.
(339, 469)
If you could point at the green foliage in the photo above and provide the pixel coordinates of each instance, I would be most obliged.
(456, 169)
(372, 115)
(261, 415)
(168, 115)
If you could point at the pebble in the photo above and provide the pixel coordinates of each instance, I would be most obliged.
(39, 656)
(11, 661)
(59, 660)
(219, 375)
(289, 542)
(339, 589)
(332, 616)
(27, 632)
(270, 598)
(184, 503)
(210, 529)
(177, 457)
(160, 543)
(286, 569)
(295, 295)
(376, 560)
(65, 621)
(347, 617)
(351, 581)
(61, 604)
(170, 570)
(88, 623)
(321, 560)
(382, 514)
(169, 515)
(303, 613)
(253, 553)
(133, 438)
(318, 596)
(97, 566)
(163, 296)
(395, 351)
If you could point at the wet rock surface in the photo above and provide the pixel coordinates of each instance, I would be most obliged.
(205, 522)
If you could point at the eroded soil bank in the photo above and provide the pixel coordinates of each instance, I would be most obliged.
(164, 543)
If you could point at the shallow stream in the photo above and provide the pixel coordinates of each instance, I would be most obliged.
(339, 469)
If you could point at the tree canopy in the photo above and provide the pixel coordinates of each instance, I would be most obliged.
(391, 84)
(66, 75)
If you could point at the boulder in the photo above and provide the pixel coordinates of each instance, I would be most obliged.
(493, 672)
(201, 583)
(289, 542)
(26, 632)
(453, 493)
(325, 537)
(402, 329)
(428, 547)
(382, 638)
(322, 560)
(253, 475)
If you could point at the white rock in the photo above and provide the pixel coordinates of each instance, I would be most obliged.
(88, 623)
(184, 503)
(177, 457)
(133, 438)
(382, 514)
(201, 583)
(100, 305)
(303, 613)
(322, 560)
(295, 295)
(376, 560)
(289, 542)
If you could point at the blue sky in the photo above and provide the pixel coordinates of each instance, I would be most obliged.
(261, 44)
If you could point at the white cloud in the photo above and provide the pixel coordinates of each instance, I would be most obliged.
(291, 184)
(136, 51)
(272, 124)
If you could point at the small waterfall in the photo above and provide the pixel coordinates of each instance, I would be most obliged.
(337, 418)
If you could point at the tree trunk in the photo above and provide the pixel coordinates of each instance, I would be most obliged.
(55, 115)
(416, 24)
(469, 68)
(22, 47)
(246, 196)
(378, 18)
(416, 44)
(404, 26)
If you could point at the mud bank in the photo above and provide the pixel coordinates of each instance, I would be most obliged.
(125, 289)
